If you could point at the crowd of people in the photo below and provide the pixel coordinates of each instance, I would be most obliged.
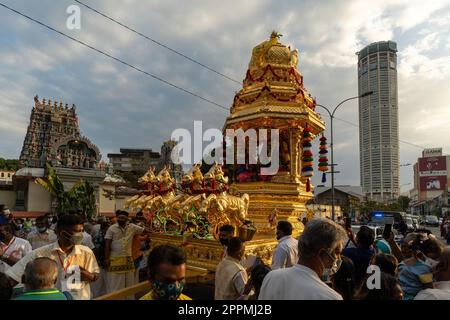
(71, 258)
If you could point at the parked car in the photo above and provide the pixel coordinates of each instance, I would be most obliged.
(431, 221)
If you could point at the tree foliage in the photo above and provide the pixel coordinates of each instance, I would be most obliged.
(9, 164)
(80, 197)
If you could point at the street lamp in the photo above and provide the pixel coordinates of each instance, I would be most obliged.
(331, 114)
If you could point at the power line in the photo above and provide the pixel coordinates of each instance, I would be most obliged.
(114, 58)
(402, 141)
(157, 42)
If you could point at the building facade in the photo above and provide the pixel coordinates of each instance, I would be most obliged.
(6, 176)
(140, 160)
(431, 183)
(347, 198)
(378, 121)
(136, 160)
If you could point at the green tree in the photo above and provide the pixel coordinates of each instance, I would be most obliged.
(403, 202)
(9, 164)
(80, 197)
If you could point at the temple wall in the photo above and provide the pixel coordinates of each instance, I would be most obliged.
(120, 201)
(8, 198)
(39, 199)
(106, 205)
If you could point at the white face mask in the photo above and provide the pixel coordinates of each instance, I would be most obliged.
(430, 262)
(328, 272)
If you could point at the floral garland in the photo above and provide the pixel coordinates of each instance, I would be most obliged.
(323, 160)
(298, 79)
(307, 157)
(267, 88)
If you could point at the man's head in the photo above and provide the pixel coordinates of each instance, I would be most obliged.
(19, 223)
(41, 273)
(167, 271)
(41, 224)
(69, 230)
(235, 248)
(122, 218)
(365, 237)
(320, 245)
(226, 232)
(386, 262)
(284, 228)
(6, 232)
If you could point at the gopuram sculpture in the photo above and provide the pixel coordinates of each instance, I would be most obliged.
(54, 135)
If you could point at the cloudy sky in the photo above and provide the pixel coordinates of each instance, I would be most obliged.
(119, 107)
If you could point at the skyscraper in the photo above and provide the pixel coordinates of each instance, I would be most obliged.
(378, 121)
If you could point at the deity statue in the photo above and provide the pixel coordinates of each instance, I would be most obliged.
(285, 153)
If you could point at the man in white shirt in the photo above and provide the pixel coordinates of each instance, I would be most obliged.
(231, 277)
(441, 290)
(43, 235)
(118, 253)
(12, 248)
(77, 266)
(319, 250)
(285, 254)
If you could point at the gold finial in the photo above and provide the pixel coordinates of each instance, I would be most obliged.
(275, 35)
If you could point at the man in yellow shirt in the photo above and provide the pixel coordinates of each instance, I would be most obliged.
(167, 271)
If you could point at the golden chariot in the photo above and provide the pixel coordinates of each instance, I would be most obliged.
(189, 215)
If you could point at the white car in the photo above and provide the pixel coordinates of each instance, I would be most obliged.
(378, 234)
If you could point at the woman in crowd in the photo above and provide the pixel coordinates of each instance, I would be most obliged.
(416, 272)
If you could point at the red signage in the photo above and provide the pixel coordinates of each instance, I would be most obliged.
(431, 164)
(433, 183)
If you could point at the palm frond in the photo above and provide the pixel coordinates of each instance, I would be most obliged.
(46, 185)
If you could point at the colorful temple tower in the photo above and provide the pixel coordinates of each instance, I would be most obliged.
(53, 135)
(274, 97)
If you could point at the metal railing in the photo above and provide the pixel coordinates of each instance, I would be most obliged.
(193, 275)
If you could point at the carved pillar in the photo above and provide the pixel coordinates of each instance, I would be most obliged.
(295, 138)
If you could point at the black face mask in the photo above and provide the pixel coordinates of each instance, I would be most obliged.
(224, 241)
(122, 223)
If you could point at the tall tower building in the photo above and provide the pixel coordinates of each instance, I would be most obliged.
(378, 121)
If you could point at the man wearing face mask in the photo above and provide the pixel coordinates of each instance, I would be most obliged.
(441, 290)
(12, 248)
(166, 271)
(285, 254)
(363, 253)
(118, 253)
(231, 276)
(43, 235)
(77, 266)
(319, 251)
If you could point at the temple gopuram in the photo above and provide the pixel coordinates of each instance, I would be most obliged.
(53, 135)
